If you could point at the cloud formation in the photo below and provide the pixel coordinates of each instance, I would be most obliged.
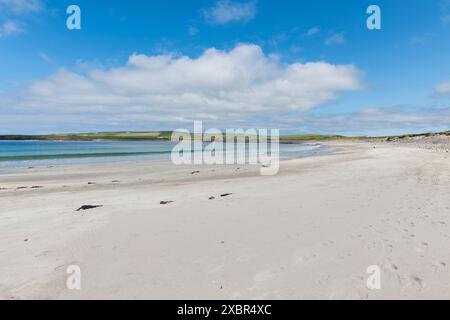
(312, 31)
(11, 27)
(377, 121)
(443, 88)
(336, 39)
(218, 85)
(227, 11)
(12, 13)
(19, 7)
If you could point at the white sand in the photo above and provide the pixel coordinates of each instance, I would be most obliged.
(309, 232)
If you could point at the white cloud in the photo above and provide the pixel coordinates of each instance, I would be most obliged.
(312, 31)
(45, 57)
(443, 88)
(376, 121)
(19, 7)
(218, 85)
(11, 27)
(10, 10)
(335, 39)
(226, 11)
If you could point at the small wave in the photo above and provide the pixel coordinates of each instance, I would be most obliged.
(301, 148)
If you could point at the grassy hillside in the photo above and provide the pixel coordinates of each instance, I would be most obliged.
(127, 136)
(166, 135)
(304, 137)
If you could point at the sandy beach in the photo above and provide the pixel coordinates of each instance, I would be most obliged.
(309, 232)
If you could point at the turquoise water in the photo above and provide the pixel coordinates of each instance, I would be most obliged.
(44, 153)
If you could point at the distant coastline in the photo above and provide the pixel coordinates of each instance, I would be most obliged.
(126, 136)
(166, 136)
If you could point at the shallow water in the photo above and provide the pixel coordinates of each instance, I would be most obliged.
(14, 154)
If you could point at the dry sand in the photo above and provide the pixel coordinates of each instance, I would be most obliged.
(309, 232)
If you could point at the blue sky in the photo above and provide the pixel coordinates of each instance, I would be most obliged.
(301, 66)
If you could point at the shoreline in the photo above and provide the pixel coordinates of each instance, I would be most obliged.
(309, 232)
(162, 152)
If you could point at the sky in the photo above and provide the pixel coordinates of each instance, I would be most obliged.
(297, 65)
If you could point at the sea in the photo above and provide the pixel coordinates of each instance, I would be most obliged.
(34, 153)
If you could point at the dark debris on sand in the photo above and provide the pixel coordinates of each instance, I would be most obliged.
(88, 207)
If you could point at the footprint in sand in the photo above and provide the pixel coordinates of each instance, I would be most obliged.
(323, 279)
(328, 243)
(423, 246)
(418, 281)
(438, 265)
(44, 253)
(305, 258)
(390, 266)
(408, 282)
(393, 266)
